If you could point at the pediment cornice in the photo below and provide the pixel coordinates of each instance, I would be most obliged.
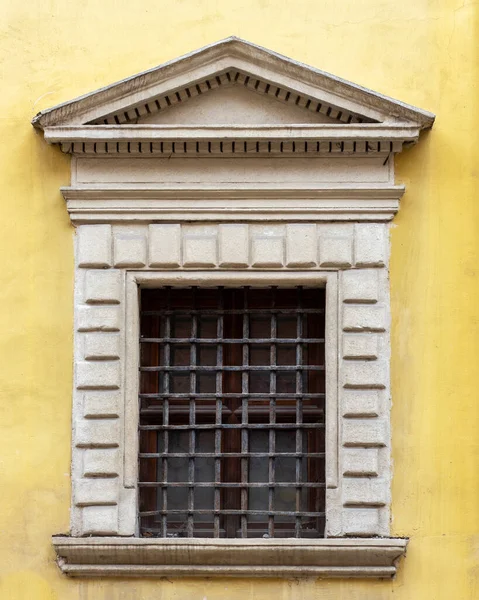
(346, 112)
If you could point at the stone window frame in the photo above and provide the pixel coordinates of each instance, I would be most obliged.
(105, 444)
(134, 280)
(330, 224)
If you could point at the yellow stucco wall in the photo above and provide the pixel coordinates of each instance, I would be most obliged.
(420, 51)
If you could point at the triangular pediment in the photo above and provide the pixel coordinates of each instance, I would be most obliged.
(233, 82)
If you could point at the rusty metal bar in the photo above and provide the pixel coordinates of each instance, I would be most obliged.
(299, 417)
(234, 426)
(239, 485)
(218, 417)
(245, 513)
(240, 311)
(245, 368)
(244, 417)
(191, 409)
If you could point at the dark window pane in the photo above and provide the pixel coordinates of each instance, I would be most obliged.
(286, 382)
(179, 383)
(207, 327)
(180, 355)
(286, 326)
(206, 383)
(259, 382)
(259, 354)
(259, 327)
(206, 355)
(180, 326)
(286, 354)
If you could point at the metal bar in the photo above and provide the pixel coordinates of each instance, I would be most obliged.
(272, 420)
(235, 512)
(192, 420)
(232, 368)
(299, 414)
(164, 491)
(166, 417)
(233, 426)
(244, 417)
(218, 416)
(175, 415)
(232, 395)
(235, 311)
(238, 485)
(244, 467)
(216, 340)
(232, 454)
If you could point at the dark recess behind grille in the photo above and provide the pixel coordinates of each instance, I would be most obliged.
(232, 412)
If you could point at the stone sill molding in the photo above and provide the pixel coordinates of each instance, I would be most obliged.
(291, 558)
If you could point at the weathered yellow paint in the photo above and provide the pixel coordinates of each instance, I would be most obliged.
(421, 51)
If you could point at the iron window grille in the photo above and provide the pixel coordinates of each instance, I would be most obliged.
(232, 412)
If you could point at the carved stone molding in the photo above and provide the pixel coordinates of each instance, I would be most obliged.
(137, 557)
(213, 203)
(222, 57)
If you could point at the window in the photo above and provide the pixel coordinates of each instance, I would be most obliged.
(257, 426)
(232, 412)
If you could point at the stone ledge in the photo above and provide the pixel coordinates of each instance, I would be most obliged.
(146, 557)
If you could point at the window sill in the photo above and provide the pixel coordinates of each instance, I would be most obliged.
(146, 557)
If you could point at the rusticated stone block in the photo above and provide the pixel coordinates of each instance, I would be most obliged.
(101, 462)
(164, 243)
(129, 247)
(98, 375)
(360, 346)
(96, 491)
(103, 287)
(101, 404)
(97, 433)
(369, 433)
(361, 521)
(233, 245)
(364, 318)
(360, 286)
(200, 246)
(370, 245)
(336, 246)
(94, 246)
(360, 462)
(301, 243)
(267, 246)
(360, 403)
(102, 346)
(98, 318)
(364, 374)
(364, 491)
(100, 520)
